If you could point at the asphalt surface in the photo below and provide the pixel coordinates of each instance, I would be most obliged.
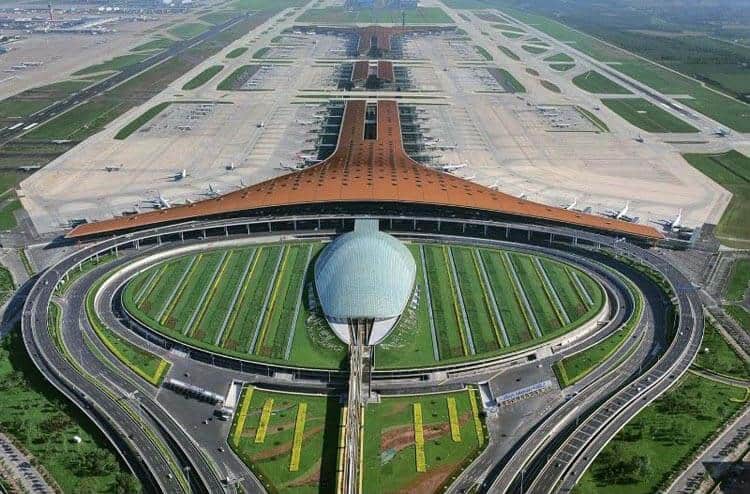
(89, 92)
(41, 290)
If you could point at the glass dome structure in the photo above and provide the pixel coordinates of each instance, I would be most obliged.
(364, 274)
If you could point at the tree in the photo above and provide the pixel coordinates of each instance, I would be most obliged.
(126, 483)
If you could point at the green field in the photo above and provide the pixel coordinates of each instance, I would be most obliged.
(559, 57)
(236, 52)
(739, 280)
(509, 27)
(141, 120)
(261, 52)
(17, 108)
(7, 285)
(259, 303)
(203, 77)
(561, 67)
(550, 86)
(661, 437)
(574, 368)
(250, 302)
(157, 44)
(536, 50)
(507, 80)
(149, 366)
(271, 458)
(189, 30)
(739, 314)
(7, 214)
(596, 83)
(714, 104)
(114, 65)
(390, 464)
(509, 53)
(340, 15)
(483, 53)
(718, 356)
(43, 422)
(647, 116)
(731, 170)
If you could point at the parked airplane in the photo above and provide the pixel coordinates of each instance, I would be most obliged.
(572, 205)
(452, 167)
(282, 166)
(212, 191)
(622, 214)
(160, 202)
(180, 175)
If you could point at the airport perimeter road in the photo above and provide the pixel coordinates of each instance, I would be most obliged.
(194, 442)
(85, 94)
(152, 443)
(121, 428)
(697, 119)
(562, 471)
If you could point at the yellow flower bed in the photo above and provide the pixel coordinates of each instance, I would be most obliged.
(265, 418)
(240, 424)
(419, 438)
(299, 431)
(477, 420)
(453, 415)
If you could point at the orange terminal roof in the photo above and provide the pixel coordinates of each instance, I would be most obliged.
(367, 170)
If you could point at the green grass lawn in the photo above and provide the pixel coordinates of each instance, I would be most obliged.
(509, 27)
(594, 82)
(738, 281)
(7, 214)
(43, 422)
(739, 314)
(159, 43)
(561, 67)
(141, 120)
(203, 77)
(511, 35)
(727, 110)
(20, 106)
(559, 57)
(188, 30)
(717, 355)
(339, 15)
(167, 297)
(647, 116)
(201, 289)
(661, 437)
(483, 53)
(389, 444)
(270, 460)
(7, 285)
(261, 52)
(82, 269)
(217, 18)
(509, 53)
(410, 342)
(550, 86)
(507, 80)
(149, 366)
(593, 119)
(114, 65)
(536, 50)
(731, 170)
(574, 368)
(236, 52)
